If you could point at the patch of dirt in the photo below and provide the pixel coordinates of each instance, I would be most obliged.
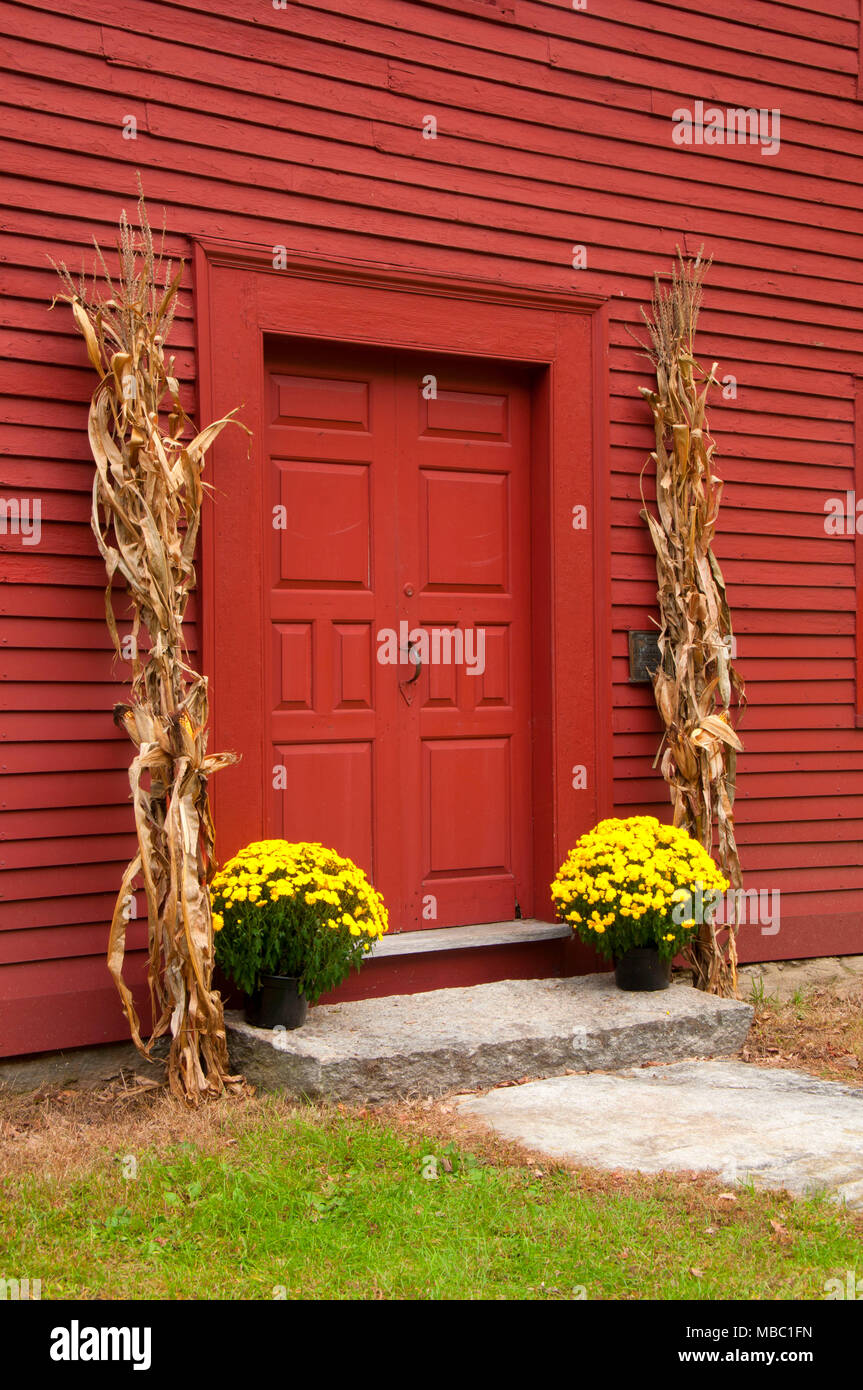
(821, 1033)
(64, 1132)
(442, 1120)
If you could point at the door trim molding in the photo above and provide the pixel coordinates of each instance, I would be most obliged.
(216, 252)
(240, 297)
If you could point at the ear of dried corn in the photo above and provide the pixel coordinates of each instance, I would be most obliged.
(147, 494)
(695, 678)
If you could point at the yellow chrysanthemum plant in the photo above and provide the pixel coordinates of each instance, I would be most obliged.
(634, 883)
(294, 909)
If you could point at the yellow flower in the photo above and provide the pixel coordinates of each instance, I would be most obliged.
(636, 868)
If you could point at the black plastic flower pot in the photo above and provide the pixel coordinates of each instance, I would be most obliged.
(642, 968)
(277, 1003)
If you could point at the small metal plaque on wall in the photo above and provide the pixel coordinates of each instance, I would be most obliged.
(643, 655)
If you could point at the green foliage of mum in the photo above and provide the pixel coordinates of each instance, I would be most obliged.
(621, 883)
(296, 909)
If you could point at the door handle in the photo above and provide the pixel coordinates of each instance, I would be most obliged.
(414, 656)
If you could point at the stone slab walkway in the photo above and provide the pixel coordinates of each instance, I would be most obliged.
(473, 1037)
(782, 1129)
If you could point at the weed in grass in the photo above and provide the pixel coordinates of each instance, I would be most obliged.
(758, 993)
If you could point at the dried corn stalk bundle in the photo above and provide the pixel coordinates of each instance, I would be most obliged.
(147, 494)
(695, 678)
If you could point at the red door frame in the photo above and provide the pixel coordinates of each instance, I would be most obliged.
(239, 299)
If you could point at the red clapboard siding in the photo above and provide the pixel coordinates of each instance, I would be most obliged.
(53, 943)
(45, 1003)
(302, 127)
(44, 823)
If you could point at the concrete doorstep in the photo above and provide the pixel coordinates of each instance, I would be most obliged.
(472, 1038)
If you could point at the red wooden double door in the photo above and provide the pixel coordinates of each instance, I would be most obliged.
(397, 607)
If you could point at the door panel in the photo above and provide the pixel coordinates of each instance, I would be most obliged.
(332, 470)
(401, 510)
(465, 466)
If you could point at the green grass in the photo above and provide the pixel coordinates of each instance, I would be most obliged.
(313, 1205)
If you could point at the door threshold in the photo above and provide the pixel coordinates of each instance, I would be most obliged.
(482, 934)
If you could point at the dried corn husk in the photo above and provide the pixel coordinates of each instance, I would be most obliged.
(695, 679)
(147, 494)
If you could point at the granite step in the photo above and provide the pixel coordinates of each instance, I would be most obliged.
(467, 1038)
